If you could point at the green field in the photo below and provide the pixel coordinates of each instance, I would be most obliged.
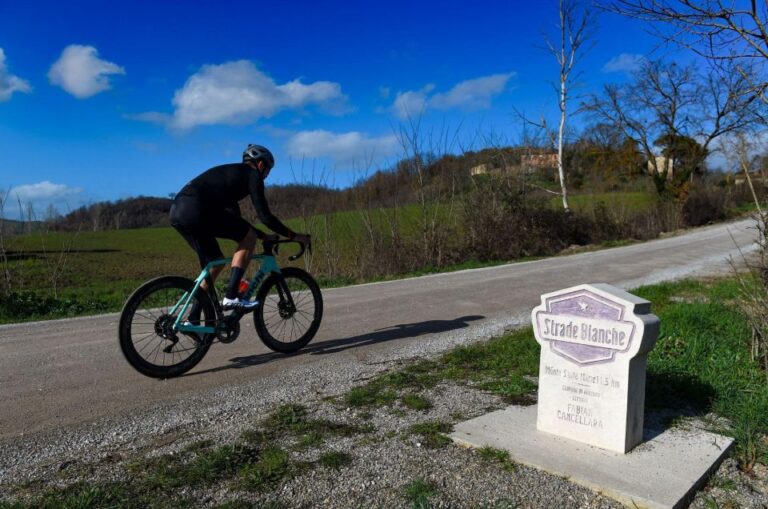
(624, 203)
(96, 271)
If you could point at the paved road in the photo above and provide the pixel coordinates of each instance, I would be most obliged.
(65, 372)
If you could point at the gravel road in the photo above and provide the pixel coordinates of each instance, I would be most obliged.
(71, 409)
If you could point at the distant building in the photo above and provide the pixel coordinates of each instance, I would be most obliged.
(660, 162)
(539, 161)
(529, 163)
(754, 176)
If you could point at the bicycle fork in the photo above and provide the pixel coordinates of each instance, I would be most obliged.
(286, 307)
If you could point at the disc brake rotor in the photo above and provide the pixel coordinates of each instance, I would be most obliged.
(286, 310)
(164, 327)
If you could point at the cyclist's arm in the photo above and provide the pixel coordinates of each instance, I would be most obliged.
(262, 210)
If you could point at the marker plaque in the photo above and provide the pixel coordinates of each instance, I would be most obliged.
(594, 342)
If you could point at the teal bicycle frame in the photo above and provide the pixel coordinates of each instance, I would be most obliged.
(267, 265)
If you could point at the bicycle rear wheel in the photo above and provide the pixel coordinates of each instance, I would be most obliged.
(146, 333)
(290, 310)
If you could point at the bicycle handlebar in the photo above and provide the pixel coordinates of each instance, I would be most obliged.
(272, 247)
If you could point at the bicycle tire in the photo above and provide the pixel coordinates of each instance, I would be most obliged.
(273, 319)
(146, 316)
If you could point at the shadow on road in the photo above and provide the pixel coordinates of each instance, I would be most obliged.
(400, 331)
(41, 253)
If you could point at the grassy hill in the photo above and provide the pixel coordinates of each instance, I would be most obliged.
(20, 227)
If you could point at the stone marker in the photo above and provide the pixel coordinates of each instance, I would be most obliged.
(594, 345)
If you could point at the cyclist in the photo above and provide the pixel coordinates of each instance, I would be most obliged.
(207, 208)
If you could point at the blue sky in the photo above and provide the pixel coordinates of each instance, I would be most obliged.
(100, 102)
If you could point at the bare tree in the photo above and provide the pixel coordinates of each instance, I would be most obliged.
(733, 34)
(734, 31)
(666, 102)
(574, 23)
(421, 152)
(4, 238)
(97, 211)
(648, 109)
(711, 28)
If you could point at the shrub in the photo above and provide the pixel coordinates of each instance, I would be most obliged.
(503, 224)
(664, 217)
(25, 305)
(704, 206)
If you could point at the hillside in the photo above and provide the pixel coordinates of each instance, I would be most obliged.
(139, 212)
(399, 185)
(19, 227)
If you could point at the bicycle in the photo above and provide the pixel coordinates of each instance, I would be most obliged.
(159, 340)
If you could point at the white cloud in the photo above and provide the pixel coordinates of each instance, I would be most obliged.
(413, 103)
(344, 148)
(81, 72)
(238, 93)
(474, 94)
(44, 190)
(40, 196)
(626, 62)
(10, 83)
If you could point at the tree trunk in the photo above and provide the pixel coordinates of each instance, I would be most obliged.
(560, 134)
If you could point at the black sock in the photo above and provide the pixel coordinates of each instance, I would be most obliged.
(194, 312)
(234, 282)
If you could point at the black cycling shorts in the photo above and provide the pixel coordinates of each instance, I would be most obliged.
(201, 224)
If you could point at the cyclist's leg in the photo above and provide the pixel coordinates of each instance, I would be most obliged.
(233, 227)
(245, 248)
(197, 224)
(202, 243)
(207, 250)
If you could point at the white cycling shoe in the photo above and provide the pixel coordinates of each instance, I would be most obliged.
(242, 304)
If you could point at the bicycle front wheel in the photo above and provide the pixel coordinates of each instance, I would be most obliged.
(146, 333)
(290, 310)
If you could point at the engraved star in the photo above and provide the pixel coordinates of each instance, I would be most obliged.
(583, 305)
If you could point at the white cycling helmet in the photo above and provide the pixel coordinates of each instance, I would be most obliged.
(259, 153)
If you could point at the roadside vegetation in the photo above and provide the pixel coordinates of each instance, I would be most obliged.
(49, 274)
(701, 368)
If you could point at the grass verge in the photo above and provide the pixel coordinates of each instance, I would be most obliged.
(504, 366)
(497, 456)
(701, 362)
(432, 433)
(418, 493)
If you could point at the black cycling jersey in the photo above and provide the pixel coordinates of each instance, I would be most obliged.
(223, 186)
(206, 209)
